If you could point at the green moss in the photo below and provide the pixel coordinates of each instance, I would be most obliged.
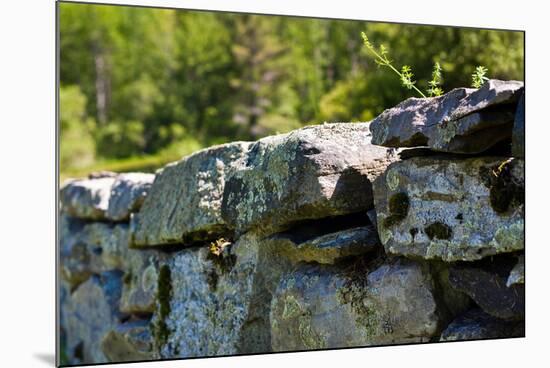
(398, 209)
(127, 278)
(438, 230)
(164, 292)
(505, 191)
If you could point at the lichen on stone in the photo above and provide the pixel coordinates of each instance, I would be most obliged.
(505, 191)
(398, 206)
(438, 230)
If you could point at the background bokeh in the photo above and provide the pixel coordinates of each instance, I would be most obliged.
(141, 87)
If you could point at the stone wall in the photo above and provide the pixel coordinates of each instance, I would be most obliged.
(406, 229)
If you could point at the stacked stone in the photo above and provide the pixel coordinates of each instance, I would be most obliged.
(107, 292)
(274, 245)
(458, 198)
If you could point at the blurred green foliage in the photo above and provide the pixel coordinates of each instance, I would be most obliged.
(141, 87)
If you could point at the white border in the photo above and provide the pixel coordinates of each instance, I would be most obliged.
(27, 182)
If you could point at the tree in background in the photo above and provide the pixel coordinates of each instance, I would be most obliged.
(147, 86)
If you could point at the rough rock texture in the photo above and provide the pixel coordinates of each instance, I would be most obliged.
(518, 136)
(219, 304)
(475, 324)
(105, 196)
(328, 240)
(310, 173)
(184, 202)
(130, 341)
(451, 209)
(319, 307)
(485, 283)
(127, 194)
(517, 275)
(87, 198)
(90, 248)
(140, 281)
(91, 312)
(461, 121)
(329, 247)
(284, 244)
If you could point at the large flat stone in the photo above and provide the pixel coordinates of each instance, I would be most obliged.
(105, 196)
(310, 173)
(86, 198)
(324, 307)
(90, 313)
(184, 202)
(451, 209)
(463, 120)
(326, 241)
(476, 324)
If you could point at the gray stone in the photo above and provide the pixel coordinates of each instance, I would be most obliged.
(327, 247)
(127, 195)
(184, 202)
(219, 305)
(93, 248)
(91, 312)
(476, 324)
(130, 341)
(461, 121)
(324, 307)
(88, 248)
(86, 198)
(517, 275)
(518, 135)
(310, 173)
(450, 209)
(140, 281)
(485, 283)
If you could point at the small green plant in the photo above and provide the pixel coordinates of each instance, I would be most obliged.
(435, 84)
(381, 58)
(478, 76)
(406, 75)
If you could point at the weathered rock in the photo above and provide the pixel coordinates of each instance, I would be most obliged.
(139, 290)
(183, 204)
(90, 313)
(321, 244)
(310, 173)
(476, 324)
(323, 307)
(485, 283)
(127, 195)
(449, 209)
(130, 341)
(518, 135)
(87, 198)
(517, 275)
(88, 248)
(218, 305)
(461, 121)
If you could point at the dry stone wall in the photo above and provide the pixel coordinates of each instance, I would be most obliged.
(409, 228)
